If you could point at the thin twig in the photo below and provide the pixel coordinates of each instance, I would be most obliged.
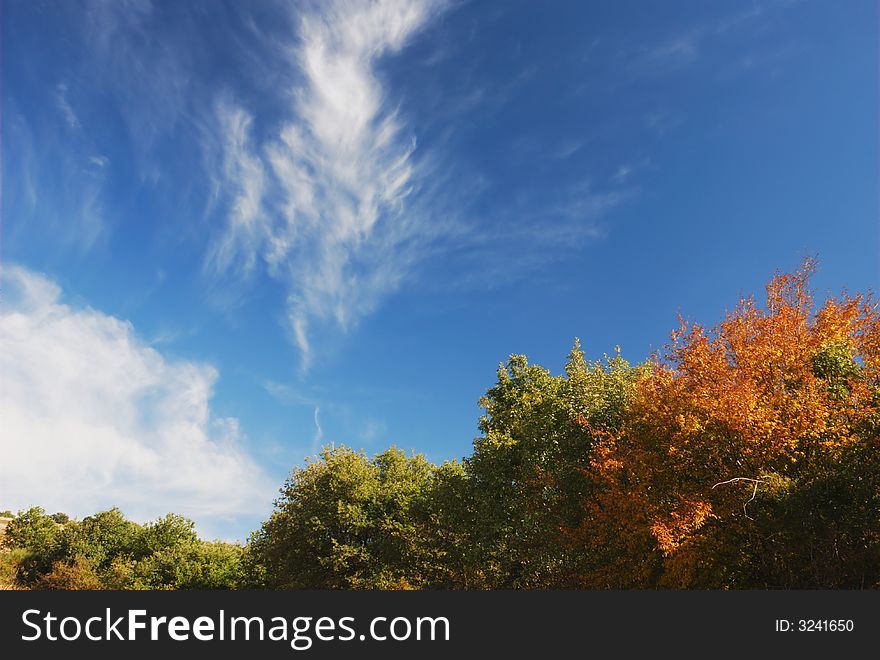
(757, 482)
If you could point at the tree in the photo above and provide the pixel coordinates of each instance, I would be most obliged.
(189, 564)
(715, 478)
(348, 521)
(31, 530)
(107, 550)
(38, 537)
(529, 470)
(78, 574)
(169, 531)
(101, 537)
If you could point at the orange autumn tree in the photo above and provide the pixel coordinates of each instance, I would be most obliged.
(738, 440)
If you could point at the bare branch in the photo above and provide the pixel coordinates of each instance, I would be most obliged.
(757, 482)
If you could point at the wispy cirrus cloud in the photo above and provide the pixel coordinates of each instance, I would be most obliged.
(297, 160)
(244, 178)
(678, 51)
(340, 230)
(540, 228)
(96, 418)
(52, 131)
(64, 106)
(290, 396)
(57, 189)
(319, 432)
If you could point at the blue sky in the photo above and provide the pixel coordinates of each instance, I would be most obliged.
(235, 231)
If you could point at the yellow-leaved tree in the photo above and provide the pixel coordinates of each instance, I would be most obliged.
(749, 454)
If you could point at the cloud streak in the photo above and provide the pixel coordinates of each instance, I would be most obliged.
(65, 108)
(341, 230)
(686, 48)
(244, 177)
(95, 418)
(305, 160)
(319, 432)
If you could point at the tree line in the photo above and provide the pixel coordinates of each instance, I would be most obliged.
(107, 551)
(739, 456)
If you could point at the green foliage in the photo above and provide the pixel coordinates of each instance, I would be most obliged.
(566, 487)
(446, 515)
(499, 520)
(529, 469)
(818, 530)
(108, 551)
(77, 573)
(38, 536)
(835, 364)
(31, 530)
(530, 507)
(10, 560)
(348, 521)
(190, 564)
(168, 532)
(100, 538)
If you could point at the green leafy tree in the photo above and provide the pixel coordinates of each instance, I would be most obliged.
(169, 531)
(38, 537)
(191, 564)
(31, 530)
(348, 521)
(75, 574)
(101, 537)
(444, 516)
(528, 471)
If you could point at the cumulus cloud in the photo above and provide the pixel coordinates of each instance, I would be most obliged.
(343, 168)
(92, 417)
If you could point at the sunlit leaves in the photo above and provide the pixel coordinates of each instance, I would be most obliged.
(784, 390)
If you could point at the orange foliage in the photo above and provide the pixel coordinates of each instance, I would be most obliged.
(768, 390)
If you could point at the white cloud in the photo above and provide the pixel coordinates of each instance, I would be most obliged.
(626, 170)
(569, 148)
(344, 167)
(64, 107)
(372, 430)
(686, 48)
(288, 396)
(319, 432)
(243, 174)
(58, 184)
(91, 417)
